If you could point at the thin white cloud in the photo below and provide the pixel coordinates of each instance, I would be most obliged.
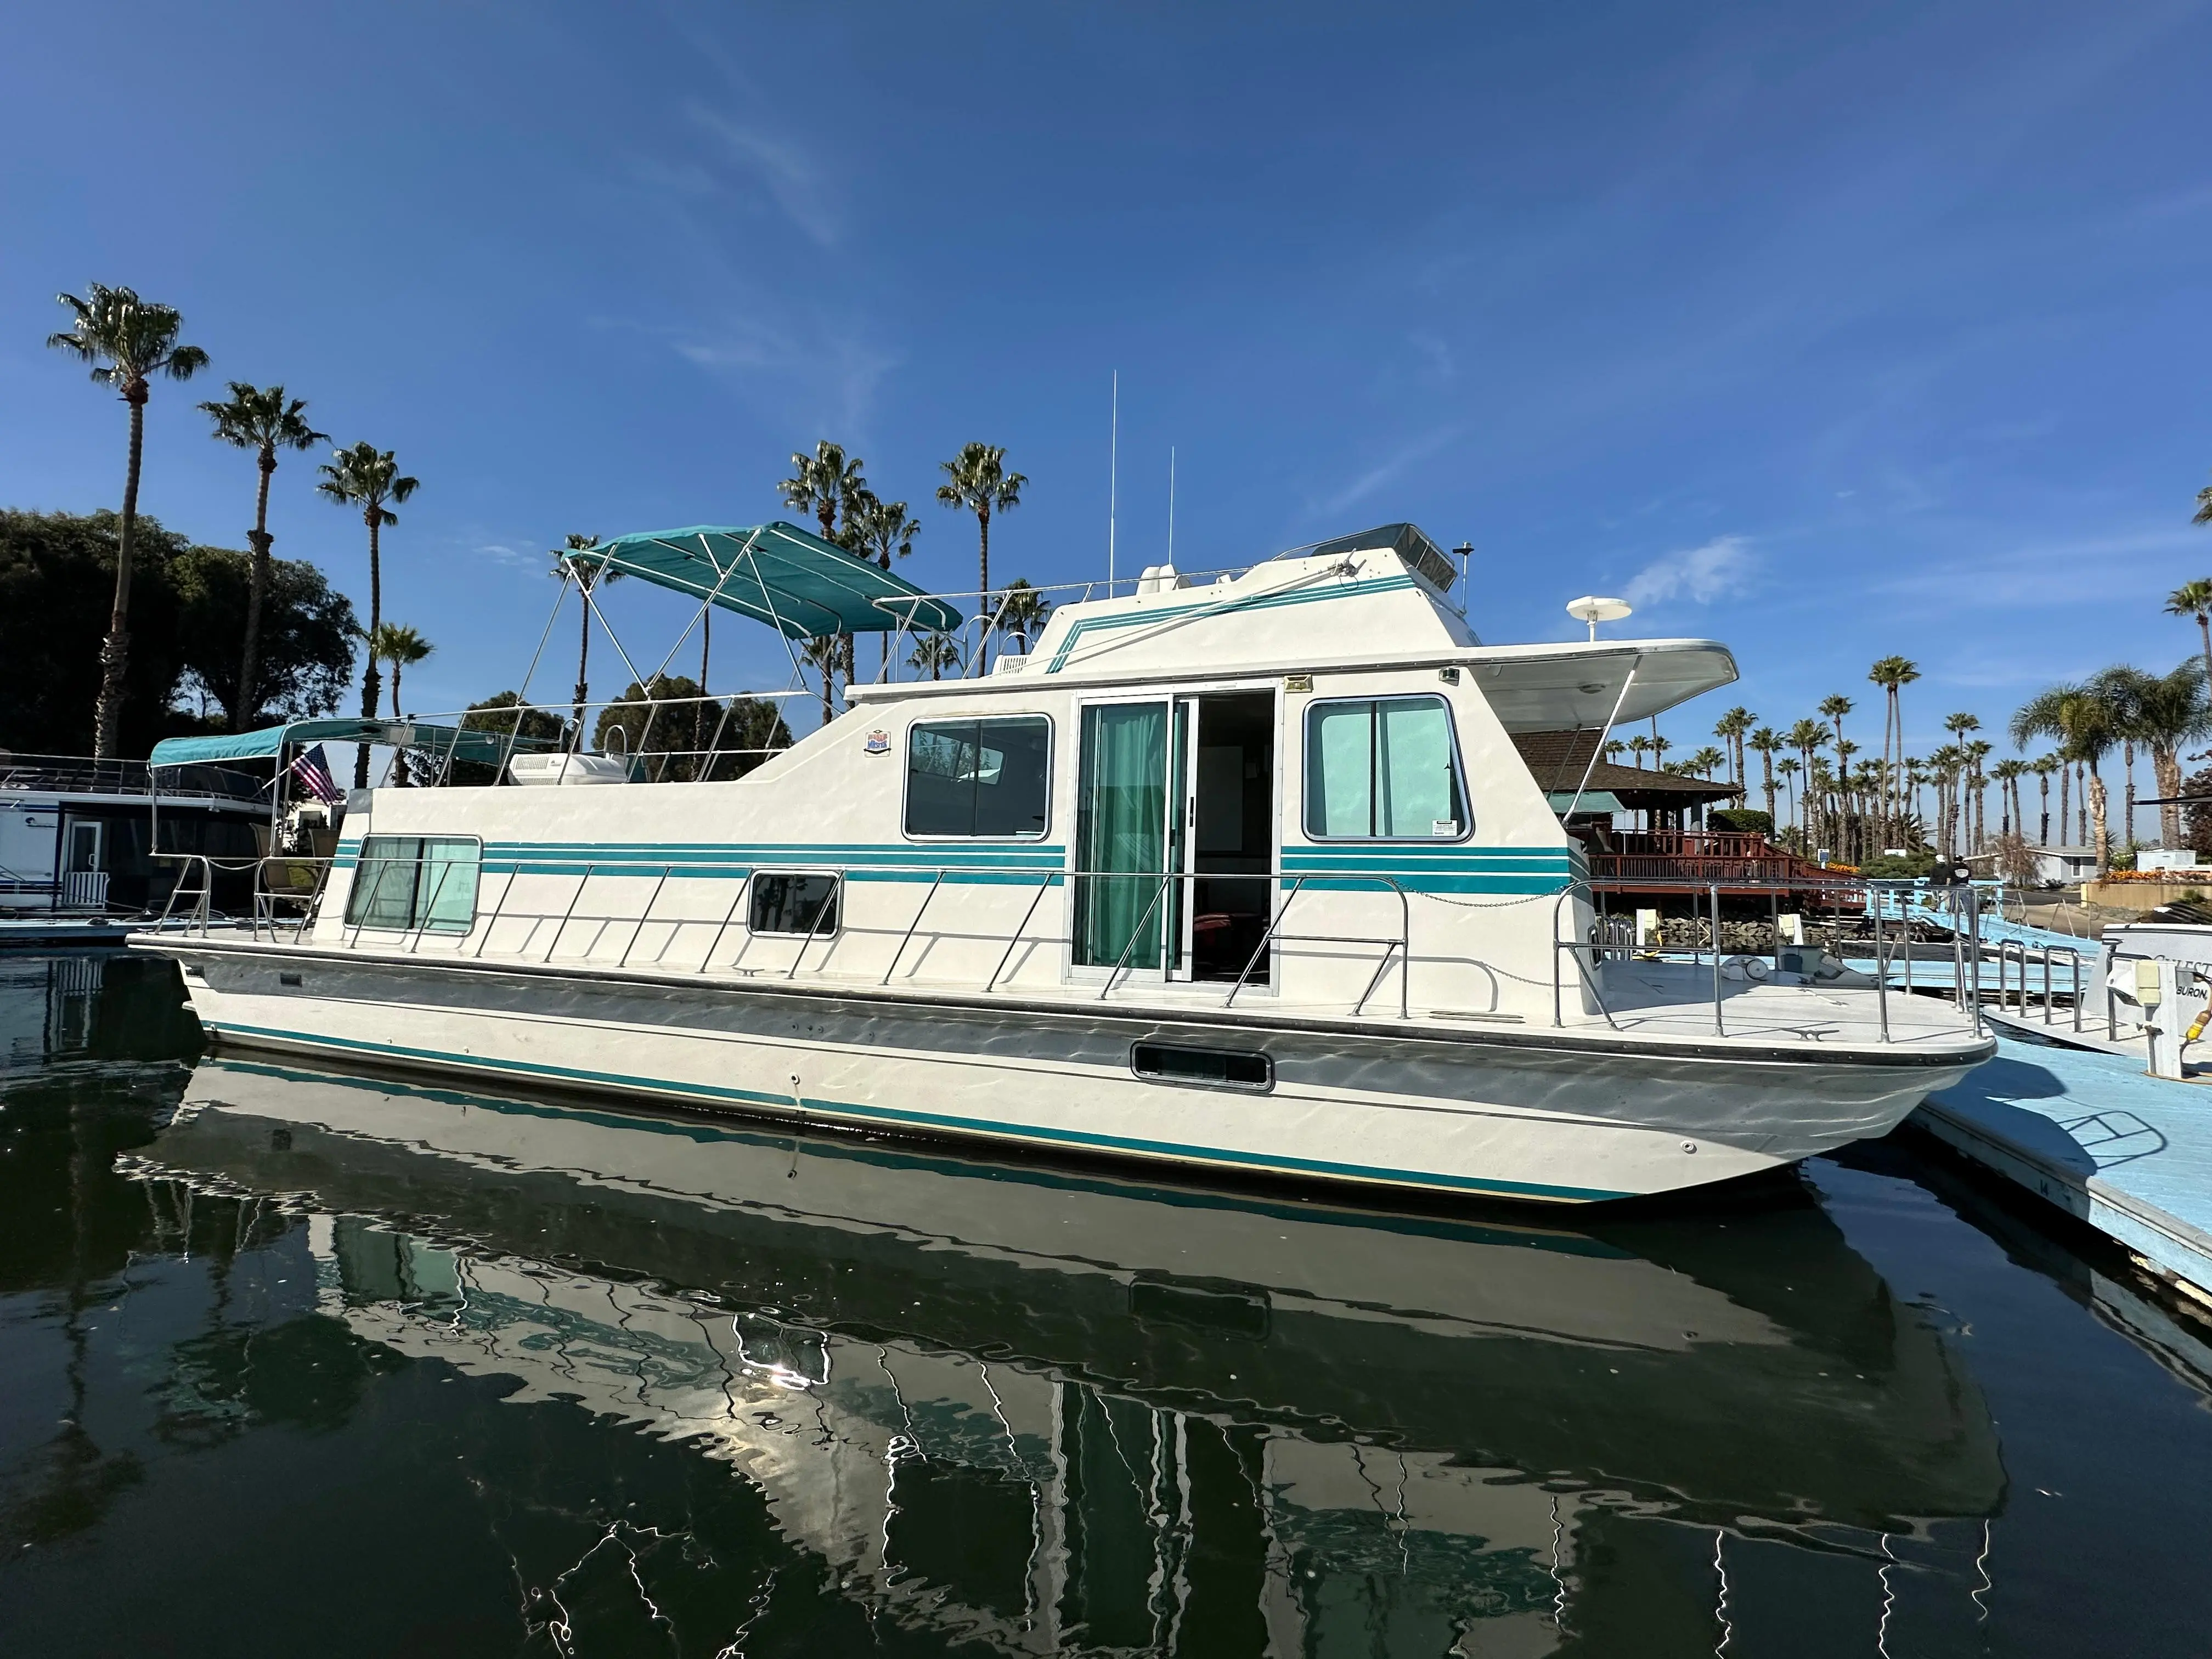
(1381, 477)
(1721, 567)
(510, 554)
(791, 180)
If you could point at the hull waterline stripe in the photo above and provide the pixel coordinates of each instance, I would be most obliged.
(929, 1120)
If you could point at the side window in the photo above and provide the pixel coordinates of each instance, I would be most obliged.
(407, 882)
(979, 777)
(786, 903)
(1383, 768)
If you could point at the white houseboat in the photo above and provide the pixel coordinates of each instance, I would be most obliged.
(1246, 873)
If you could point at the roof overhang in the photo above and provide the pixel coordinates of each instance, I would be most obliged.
(1579, 687)
(776, 572)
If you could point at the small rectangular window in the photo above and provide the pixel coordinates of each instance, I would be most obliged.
(1219, 1067)
(795, 904)
(978, 778)
(1383, 768)
(408, 882)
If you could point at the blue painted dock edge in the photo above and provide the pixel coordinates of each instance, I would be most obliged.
(2091, 1133)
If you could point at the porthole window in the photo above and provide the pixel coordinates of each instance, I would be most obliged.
(1220, 1068)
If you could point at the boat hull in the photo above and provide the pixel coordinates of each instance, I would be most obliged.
(1562, 1116)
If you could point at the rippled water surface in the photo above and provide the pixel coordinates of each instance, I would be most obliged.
(295, 1361)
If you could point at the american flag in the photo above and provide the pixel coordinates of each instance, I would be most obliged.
(314, 771)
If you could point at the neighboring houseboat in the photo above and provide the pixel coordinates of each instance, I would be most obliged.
(79, 840)
(1245, 873)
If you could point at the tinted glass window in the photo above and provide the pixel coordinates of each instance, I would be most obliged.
(981, 777)
(1382, 769)
(1178, 1065)
(795, 904)
(415, 881)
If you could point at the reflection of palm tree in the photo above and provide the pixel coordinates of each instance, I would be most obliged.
(265, 421)
(128, 342)
(935, 653)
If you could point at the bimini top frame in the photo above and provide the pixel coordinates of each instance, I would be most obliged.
(797, 583)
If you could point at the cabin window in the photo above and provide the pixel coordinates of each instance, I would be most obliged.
(787, 903)
(978, 779)
(1383, 768)
(411, 881)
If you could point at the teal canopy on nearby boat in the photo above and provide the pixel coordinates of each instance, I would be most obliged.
(777, 573)
(271, 740)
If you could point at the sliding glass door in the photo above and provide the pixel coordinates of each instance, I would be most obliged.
(1128, 837)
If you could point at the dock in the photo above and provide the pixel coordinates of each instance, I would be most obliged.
(2086, 1129)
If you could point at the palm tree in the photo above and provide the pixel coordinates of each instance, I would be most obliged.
(127, 341)
(1023, 611)
(935, 653)
(1708, 760)
(2042, 766)
(1766, 743)
(2008, 774)
(367, 477)
(1832, 709)
(881, 531)
(2203, 513)
(1639, 747)
(1806, 736)
(2084, 720)
(2163, 712)
(825, 655)
(1786, 769)
(980, 483)
(263, 420)
(1613, 749)
(1892, 675)
(1730, 729)
(2194, 599)
(1660, 745)
(1976, 752)
(403, 647)
(825, 483)
(591, 575)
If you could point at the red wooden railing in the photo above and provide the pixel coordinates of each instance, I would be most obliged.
(1699, 858)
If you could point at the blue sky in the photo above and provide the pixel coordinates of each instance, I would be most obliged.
(1828, 332)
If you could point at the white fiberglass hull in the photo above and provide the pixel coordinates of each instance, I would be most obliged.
(1571, 1116)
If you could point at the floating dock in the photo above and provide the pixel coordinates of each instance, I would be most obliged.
(2086, 1129)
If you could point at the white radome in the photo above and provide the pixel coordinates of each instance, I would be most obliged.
(1594, 608)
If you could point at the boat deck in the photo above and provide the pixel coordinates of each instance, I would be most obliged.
(2090, 1132)
(1676, 1000)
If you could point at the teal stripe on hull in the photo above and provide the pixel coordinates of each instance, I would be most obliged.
(1220, 1157)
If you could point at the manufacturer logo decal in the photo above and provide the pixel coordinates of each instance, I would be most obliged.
(879, 743)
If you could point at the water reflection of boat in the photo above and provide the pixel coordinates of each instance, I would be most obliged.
(1043, 1408)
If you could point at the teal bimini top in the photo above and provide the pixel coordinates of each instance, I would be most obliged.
(778, 574)
(467, 744)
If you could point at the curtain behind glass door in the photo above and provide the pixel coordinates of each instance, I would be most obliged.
(1121, 829)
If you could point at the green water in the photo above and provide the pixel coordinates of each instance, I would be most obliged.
(301, 1361)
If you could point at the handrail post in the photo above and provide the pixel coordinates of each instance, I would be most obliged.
(1720, 1027)
(383, 866)
(1007, 956)
(444, 869)
(644, 915)
(910, 926)
(744, 883)
(1137, 932)
(1266, 938)
(573, 899)
(837, 897)
(1881, 975)
(492, 920)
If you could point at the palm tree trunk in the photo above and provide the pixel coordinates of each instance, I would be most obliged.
(983, 603)
(2204, 626)
(2081, 810)
(2101, 830)
(115, 650)
(2043, 780)
(2128, 759)
(699, 709)
(399, 758)
(245, 705)
(370, 682)
(2165, 768)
